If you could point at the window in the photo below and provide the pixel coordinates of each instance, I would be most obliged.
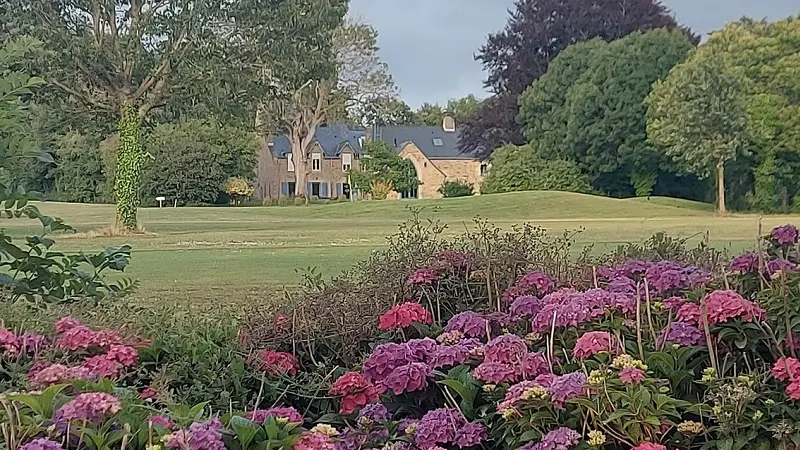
(411, 193)
(316, 162)
(315, 189)
(289, 163)
(347, 161)
(438, 142)
(484, 169)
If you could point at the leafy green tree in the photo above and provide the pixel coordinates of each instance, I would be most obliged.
(429, 114)
(698, 115)
(589, 108)
(520, 168)
(386, 112)
(78, 174)
(764, 54)
(16, 87)
(380, 162)
(125, 59)
(192, 161)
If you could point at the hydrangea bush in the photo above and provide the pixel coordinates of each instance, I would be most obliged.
(650, 355)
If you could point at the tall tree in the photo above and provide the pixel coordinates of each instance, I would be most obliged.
(125, 58)
(536, 32)
(387, 112)
(765, 55)
(430, 114)
(698, 115)
(588, 108)
(358, 79)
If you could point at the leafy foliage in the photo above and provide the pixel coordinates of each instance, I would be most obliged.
(589, 108)
(698, 115)
(191, 161)
(238, 189)
(458, 188)
(79, 174)
(380, 162)
(536, 32)
(520, 168)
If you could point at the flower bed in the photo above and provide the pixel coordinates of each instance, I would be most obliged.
(652, 355)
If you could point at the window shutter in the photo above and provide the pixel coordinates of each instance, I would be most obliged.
(308, 190)
(339, 189)
(284, 189)
(323, 190)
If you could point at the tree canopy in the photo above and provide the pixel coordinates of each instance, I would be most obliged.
(536, 32)
(589, 108)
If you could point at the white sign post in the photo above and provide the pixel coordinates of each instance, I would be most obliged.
(160, 201)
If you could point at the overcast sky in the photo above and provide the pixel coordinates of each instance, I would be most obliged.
(429, 44)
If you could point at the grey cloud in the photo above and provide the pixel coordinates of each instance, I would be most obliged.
(429, 44)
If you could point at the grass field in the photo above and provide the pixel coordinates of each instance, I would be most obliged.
(228, 255)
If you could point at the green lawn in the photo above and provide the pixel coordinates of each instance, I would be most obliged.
(228, 255)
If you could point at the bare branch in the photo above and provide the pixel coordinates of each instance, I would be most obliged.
(86, 98)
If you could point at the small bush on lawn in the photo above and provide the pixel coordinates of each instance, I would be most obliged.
(459, 188)
(283, 201)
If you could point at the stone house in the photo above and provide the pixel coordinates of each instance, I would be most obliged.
(333, 152)
(336, 148)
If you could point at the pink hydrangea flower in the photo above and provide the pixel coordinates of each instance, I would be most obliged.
(33, 343)
(402, 316)
(355, 392)
(725, 305)
(631, 375)
(785, 235)
(148, 393)
(66, 323)
(90, 406)
(649, 446)
(199, 436)
(422, 277)
(690, 313)
(106, 339)
(42, 444)
(314, 441)
(470, 323)
(8, 342)
(162, 421)
(123, 354)
(79, 337)
(41, 377)
(593, 342)
(103, 366)
(786, 369)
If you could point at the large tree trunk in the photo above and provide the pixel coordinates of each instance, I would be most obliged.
(721, 188)
(128, 168)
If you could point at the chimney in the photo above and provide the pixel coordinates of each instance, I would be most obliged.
(449, 124)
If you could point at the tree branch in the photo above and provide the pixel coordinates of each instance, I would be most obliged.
(82, 96)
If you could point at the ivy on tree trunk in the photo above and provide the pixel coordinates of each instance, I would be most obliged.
(128, 171)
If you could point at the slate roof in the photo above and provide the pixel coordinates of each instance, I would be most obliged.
(331, 138)
(433, 142)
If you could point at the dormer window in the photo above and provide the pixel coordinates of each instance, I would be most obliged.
(347, 161)
(437, 142)
(289, 163)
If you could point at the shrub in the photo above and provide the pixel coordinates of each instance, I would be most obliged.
(522, 169)
(283, 201)
(79, 173)
(191, 161)
(380, 189)
(299, 200)
(269, 201)
(238, 189)
(458, 188)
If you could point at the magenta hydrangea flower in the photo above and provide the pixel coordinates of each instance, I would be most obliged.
(559, 439)
(690, 313)
(260, 415)
(33, 343)
(785, 235)
(682, 334)
(162, 421)
(40, 377)
(538, 281)
(422, 350)
(495, 372)
(780, 265)
(42, 444)
(744, 263)
(470, 323)
(622, 285)
(422, 277)
(450, 355)
(525, 306)
(384, 359)
(674, 303)
(508, 348)
(725, 305)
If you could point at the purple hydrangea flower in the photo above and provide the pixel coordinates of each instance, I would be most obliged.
(785, 235)
(565, 387)
(744, 263)
(42, 444)
(469, 435)
(559, 439)
(470, 323)
(422, 350)
(199, 436)
(525, 306)
(780, 265)
(682, 334)
(622, 285)
(438, 427)
(375, 412)
(33, 342)
(450, 355)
